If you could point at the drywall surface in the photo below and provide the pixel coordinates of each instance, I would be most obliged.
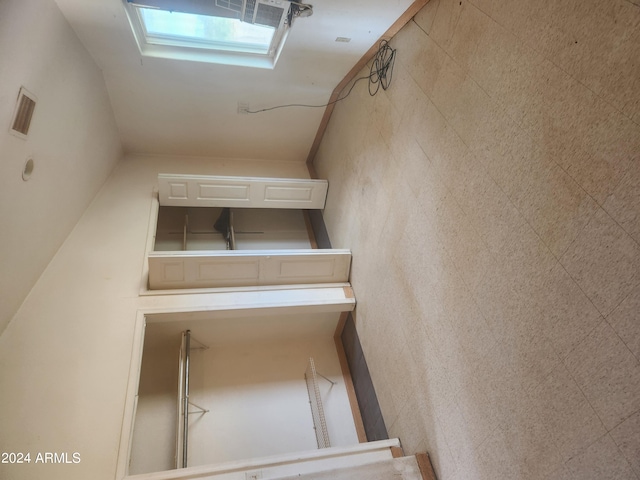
(73, 141)
(258, 400)
(264, 229)
(154, 436)
(66, 355)
(250, 378)
(255, 229)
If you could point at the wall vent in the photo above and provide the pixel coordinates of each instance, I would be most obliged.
(23, 113)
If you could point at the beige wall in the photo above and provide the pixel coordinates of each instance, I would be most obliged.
(153, 446)
(73, 141)
(259, 401)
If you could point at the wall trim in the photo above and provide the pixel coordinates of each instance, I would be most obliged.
(425, 466)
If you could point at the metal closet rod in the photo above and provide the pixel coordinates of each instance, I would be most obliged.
(185, 399)
(185, 394)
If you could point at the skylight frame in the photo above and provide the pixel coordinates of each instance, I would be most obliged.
(181, 41)
(184, 49)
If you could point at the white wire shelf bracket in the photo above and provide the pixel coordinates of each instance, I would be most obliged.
(315, 401)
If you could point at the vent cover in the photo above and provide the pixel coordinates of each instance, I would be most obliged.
(23, 113)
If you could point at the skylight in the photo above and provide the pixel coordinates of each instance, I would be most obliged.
(207, 32)
(201, 31)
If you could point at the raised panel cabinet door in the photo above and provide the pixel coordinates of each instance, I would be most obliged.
(242, 192)
(236, 268)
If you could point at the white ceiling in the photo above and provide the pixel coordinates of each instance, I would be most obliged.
(189, 108)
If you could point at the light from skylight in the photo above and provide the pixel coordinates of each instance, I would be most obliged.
(204, 31)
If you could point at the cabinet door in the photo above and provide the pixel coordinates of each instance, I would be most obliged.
(206, 269)
(242, 192)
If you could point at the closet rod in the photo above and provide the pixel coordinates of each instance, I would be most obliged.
(182, 443)
(185, 399)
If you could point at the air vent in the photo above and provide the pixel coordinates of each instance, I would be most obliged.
(23, 113)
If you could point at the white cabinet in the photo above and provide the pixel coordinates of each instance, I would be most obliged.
(243, 192)
(265, 242)
(236, 268)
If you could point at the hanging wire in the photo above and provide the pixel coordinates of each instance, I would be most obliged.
(380, 75)
(382, 68)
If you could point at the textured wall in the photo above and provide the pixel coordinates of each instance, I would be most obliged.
(491, 200)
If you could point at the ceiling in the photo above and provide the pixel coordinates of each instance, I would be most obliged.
(190, 108)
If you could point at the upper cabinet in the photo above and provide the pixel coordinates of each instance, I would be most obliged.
(242, 192)
(214, 231)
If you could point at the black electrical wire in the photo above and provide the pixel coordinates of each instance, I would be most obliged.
(380, 75)
(382, 68)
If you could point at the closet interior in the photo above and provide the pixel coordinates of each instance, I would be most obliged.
(215, 389)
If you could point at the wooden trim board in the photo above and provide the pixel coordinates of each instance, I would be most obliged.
(424, 464)
(393, 29)
(397, 452)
